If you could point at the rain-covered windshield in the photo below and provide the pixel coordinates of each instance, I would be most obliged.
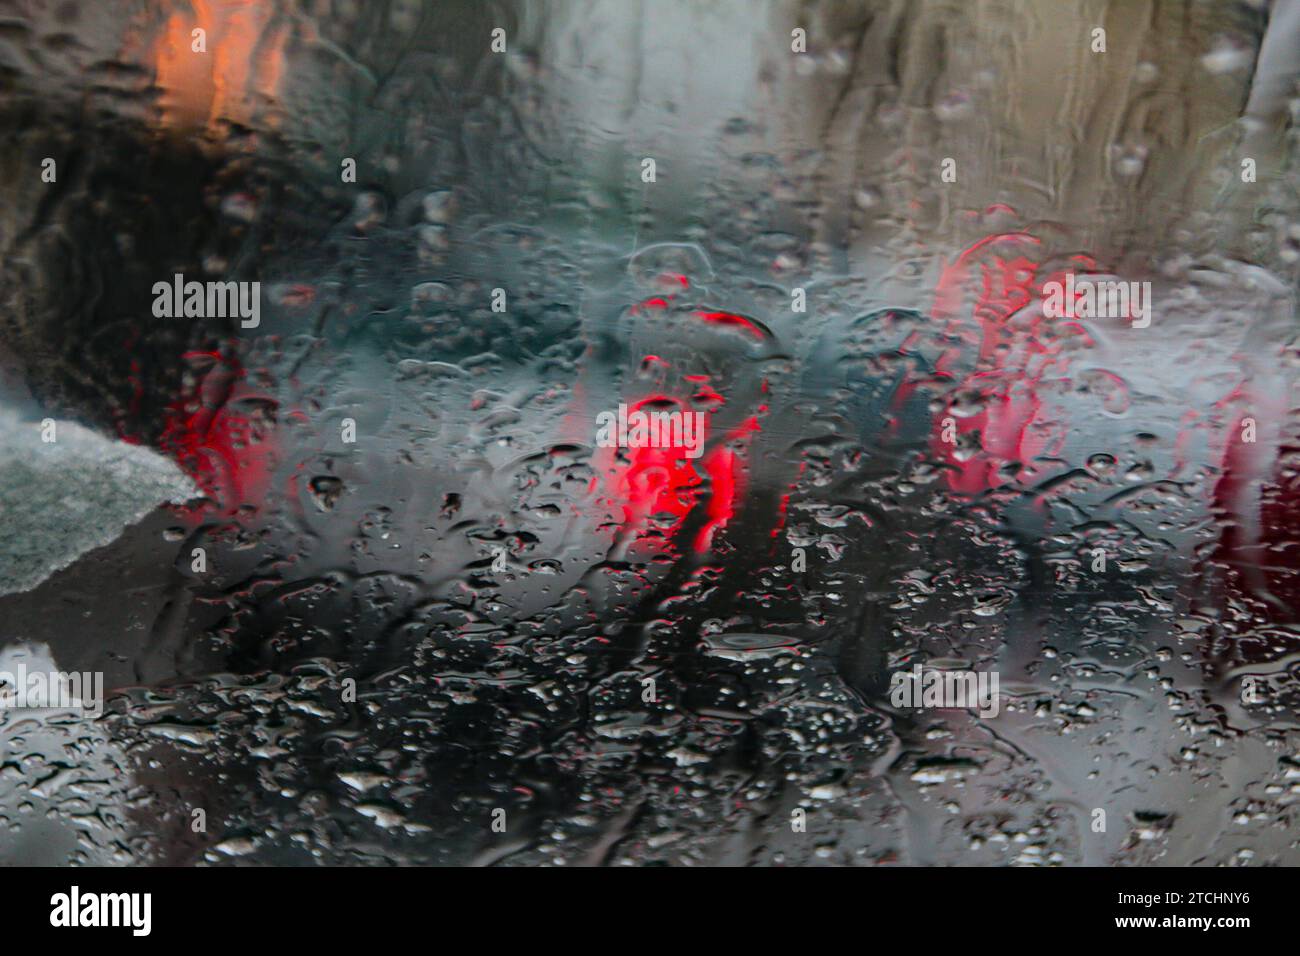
(612, 432)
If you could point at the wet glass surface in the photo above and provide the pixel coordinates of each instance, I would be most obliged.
(362, 580)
